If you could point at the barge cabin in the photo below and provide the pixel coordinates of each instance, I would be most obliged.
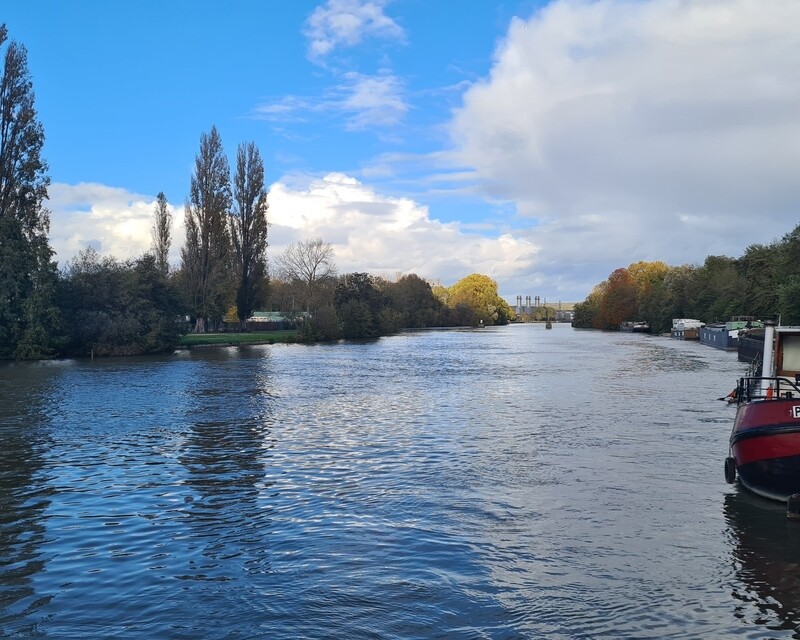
(725, 335)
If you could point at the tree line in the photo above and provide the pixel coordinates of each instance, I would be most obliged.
(764, 282)
(360, 305)
(99, 305)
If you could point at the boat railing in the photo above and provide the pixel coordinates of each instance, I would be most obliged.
(760, 388)
(755, 365)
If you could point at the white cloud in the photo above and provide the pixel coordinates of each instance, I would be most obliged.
(664, 129)
(375, 101)
(111, 220)
(364, 101)
(287, 109)
(384, 235)
(345, 23)
(369, 231)
(622, 130)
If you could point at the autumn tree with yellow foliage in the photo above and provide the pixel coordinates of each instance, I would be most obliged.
(475, 301)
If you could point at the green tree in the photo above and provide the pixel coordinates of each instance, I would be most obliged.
(654, 307)
(789, 259)
(647, 275)
(789, 300)
(788, 284)
(249, 230)
(118, 308)
(587, 313)
(413, 298)
(28, 315)
(359, 305)
(761, 271)
(323, 325)
(651, 293)
(718, 287)
(161, 233)
(679, 286)
(205, 258)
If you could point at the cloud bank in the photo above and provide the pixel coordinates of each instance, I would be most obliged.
(369, 231)
(635, 130)
(619, 130)
(110, 220)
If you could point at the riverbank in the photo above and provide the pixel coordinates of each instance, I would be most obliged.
(192, 340)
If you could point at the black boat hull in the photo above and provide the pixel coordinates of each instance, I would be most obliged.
(776, 478)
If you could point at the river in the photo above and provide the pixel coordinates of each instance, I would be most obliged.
(507, 482)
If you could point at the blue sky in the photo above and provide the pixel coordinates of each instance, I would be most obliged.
(543, 144)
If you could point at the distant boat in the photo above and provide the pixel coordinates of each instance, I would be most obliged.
(635, 327)
(686, 329)
(765, 440)
(725, 335)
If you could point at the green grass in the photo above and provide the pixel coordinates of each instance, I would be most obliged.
(256, 337)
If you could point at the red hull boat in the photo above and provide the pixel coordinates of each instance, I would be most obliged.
(765, 441)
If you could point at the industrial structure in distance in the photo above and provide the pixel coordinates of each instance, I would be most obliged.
(563, 311)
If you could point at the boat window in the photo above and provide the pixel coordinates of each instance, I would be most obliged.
(790, 360)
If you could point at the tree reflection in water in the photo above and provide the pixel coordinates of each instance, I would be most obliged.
(766, 559)
(225, 453)
(25, 494)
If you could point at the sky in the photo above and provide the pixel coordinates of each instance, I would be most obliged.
(543, 144)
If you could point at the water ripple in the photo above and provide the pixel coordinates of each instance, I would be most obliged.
(497, 483)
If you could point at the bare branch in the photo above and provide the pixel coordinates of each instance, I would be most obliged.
(309, 262)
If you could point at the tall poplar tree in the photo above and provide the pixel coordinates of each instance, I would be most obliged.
(249, 229)
(206, 255)
(161, 232)
(28, 315)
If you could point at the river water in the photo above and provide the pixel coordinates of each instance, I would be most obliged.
(500, 483)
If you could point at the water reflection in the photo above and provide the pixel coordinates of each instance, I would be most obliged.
(225, 453)
(24, 494)
(766, 559)
(502, 483)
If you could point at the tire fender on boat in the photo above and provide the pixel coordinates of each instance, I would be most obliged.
(730, 470)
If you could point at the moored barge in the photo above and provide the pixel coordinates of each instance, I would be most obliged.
(725, 335)
(765, 440)
(686, 329)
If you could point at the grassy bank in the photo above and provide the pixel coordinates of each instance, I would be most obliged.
(223, 339)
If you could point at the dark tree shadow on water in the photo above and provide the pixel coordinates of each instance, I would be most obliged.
(25, 492)
(766, 561)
